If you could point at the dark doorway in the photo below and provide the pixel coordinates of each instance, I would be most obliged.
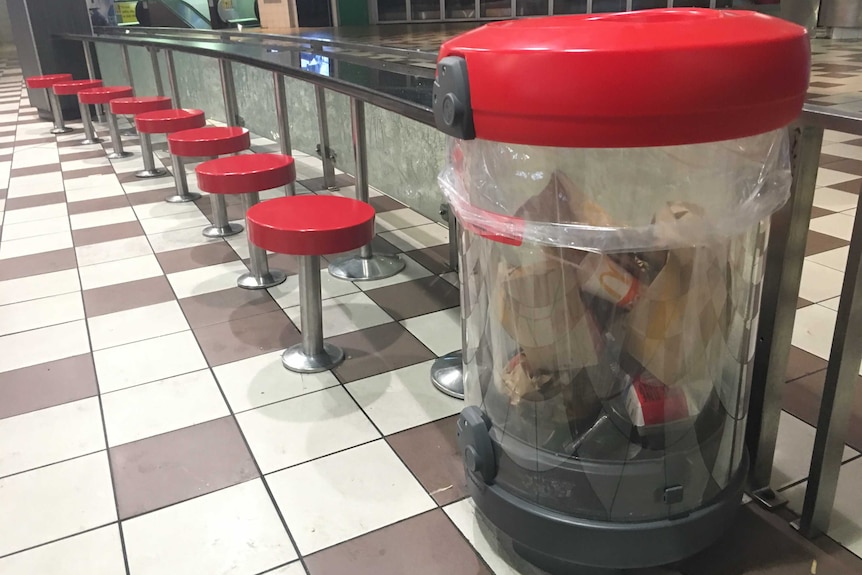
(313, 13)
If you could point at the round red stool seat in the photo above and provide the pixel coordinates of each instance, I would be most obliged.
(169, 121)
(104, 94)
(245, 174)
(75, 86)
(212, 141)
(310, 225)
(47, 81)
(139, 105)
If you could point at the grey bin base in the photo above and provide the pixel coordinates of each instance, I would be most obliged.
(567, 545)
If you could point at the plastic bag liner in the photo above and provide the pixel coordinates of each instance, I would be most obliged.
(605, 200)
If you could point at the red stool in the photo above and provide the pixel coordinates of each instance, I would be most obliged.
(104, 95)
(248, 175)
(72, 88)
(309, 227)
(168, 122)
(142, 105)
(212, 142)
(46, 83)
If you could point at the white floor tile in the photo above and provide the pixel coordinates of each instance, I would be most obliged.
(262, 380)
(835, 259)
(843, 150)
(845, 525)
(69, 165)
(303, 428)
(416, 238)
(813, 329)
(136, 324)
(43, 155)
(33, 314)
(162, 406)
(412, 271)
(439, 331)
(161, 209)
(837, 225)
(34, 229)
(55, 501)
(345, 314)
(50, 435)
(35, 245)
(119, 271)
(39, 286)
(831, 303)
(206, 279)
(104, 252)
(146, 184)
(134, 363)
(292, 569)
(834, 200)
(401, 399)
(399, 219)
(819, 282)
(43, 345)
(287, 293)
(36, 214)
(24, 186)
(234, 531)
(175, 222)
(97, 552)
(179, 239)
(348, 486)
(102, 218)
(77, 191)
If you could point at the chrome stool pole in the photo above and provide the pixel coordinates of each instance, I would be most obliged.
(447, 373)
(259, 275)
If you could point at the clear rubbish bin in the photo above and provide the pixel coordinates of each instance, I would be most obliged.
(614, 176)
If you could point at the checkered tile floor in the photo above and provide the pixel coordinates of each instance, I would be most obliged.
(148, 428)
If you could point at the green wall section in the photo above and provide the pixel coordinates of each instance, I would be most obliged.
(353, 12)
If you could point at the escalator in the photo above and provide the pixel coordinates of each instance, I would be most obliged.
(196, 14)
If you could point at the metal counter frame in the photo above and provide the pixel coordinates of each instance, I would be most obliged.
(783, 262)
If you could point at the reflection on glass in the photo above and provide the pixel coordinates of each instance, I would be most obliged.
(647, 4)
(495, 9)
(388, 10)
(314, 63)
(425, 10)
(460, 9)
(609, 5)
(531, 7)
(570, 6)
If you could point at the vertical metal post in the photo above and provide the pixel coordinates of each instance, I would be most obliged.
(91, 72)
(172, 78)
(782, 276)
(87, 121)
(283, 124)
(325, 152)
(259, 275)
(116, 140)
(182, 184)
(150, 170)
(127, 66)
(157, 71)
(57, 111)
(447, 373)
(367, 265)
(838, 390)
(228, 89)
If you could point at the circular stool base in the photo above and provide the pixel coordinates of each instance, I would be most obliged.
(267, 280)
(158, 172)
(60, 130)
(116, 156)
(356, 268)
(447, 374)
(222, 231)
(296, 360)
(86, 142)
(178, 199)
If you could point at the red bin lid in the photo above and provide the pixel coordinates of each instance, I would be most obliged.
(646, 78)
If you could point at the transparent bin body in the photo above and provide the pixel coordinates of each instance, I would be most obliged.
(609, 301)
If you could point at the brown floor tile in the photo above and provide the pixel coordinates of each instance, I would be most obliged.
(197, 257)
(235, 210)
(106, 233)
(247, 337)
(818, 212)
(84, 155)
(801, 363)
(226, 305)
(46, 385)
(32, 141)
(285, 262)
(36, 264)
(800, 303)
(431, 452)
(317, 185)
(385, 204)
(378, 244)
(417, 297)
(801, 397)
(851, 187)
(818, 243)
(125, 296)
(127, 177)
(3, 193)
(435, 259)
(848, 166)
(85, 172)
(33, 170)
(73, 143)
(98, 204)
(150, 196)
(35, 201)
(377, 349)
(762, 543)
(176, 466)
(428, 544)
